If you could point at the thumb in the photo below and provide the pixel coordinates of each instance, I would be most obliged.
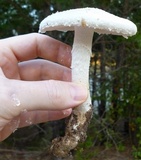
(47, 95)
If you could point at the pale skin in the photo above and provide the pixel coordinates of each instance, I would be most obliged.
(32, 89)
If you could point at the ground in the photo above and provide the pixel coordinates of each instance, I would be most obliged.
(101, 154)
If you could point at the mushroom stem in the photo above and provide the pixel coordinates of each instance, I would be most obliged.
(81, 53)
(77, 123)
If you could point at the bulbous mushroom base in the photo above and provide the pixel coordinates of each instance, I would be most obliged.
(76, 128)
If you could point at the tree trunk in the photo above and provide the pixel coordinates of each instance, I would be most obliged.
(117, 84)
(102, 105)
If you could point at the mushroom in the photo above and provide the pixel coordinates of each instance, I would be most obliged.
(84, 21)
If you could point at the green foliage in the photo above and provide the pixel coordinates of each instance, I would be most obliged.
(15, 18)
(85, 150)
(20, 17)
(101, 135)
(137, 152)
(137, 148)
(71, 4)
(121, 147)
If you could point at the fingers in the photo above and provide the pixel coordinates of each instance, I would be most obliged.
(30, 46)
(36, 102)
(8, 63)
(35, 45)
(35, 117)
(45, 95)
(34, 70)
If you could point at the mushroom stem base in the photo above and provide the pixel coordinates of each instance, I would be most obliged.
(75, 133)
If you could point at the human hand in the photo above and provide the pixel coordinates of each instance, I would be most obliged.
(35, 90)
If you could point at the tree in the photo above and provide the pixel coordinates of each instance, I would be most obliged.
(21, 17)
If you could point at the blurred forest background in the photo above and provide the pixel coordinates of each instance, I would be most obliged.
(115, 83)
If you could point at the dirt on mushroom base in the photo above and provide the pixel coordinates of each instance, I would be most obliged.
(76, 128)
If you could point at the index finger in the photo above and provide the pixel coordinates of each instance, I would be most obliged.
(35, 45)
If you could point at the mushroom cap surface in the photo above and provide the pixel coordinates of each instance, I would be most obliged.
(101, 21)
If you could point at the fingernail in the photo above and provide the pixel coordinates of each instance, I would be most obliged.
(78, 92)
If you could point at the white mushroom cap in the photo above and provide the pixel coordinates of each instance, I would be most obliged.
(102, 22)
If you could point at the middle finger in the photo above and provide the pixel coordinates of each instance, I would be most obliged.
(39, 69)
